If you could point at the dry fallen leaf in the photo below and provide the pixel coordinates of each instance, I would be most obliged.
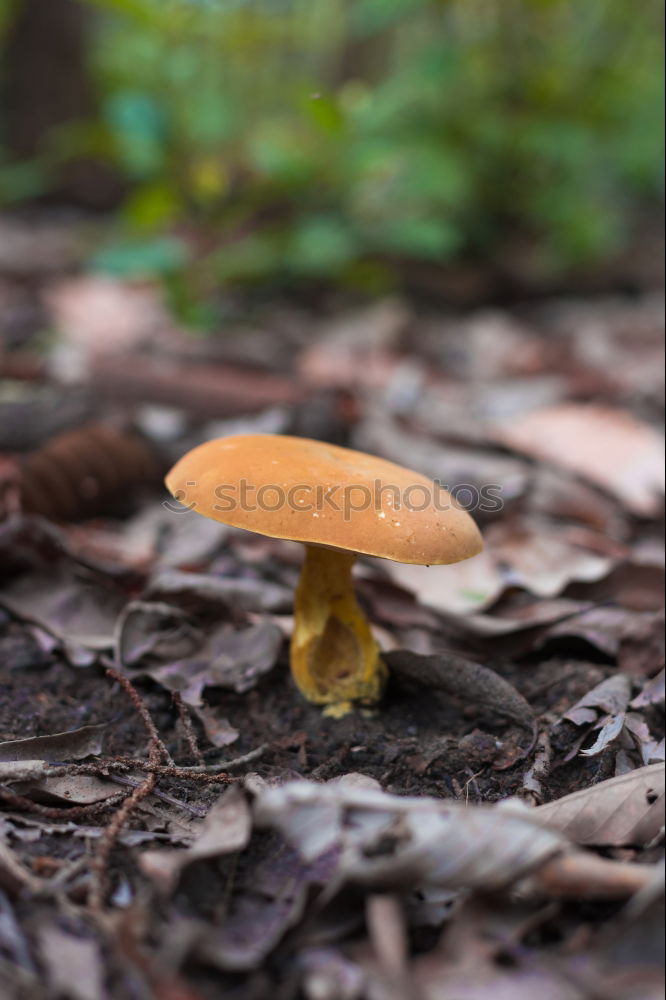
(73, 964)
(225, 829)
(158, 640)
(542, 559)
(385, 841)
(464, 588)
(653, 691)
(98, 315)
(471, 682)
(609, 699)
(75, 789)
(73, 745)
(627, 810)
(608, 447)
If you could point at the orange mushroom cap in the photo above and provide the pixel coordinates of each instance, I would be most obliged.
(321, 494)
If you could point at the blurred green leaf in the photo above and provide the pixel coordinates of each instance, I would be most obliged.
(304, 136)
(152, 205)
(134, 259)
(319, 245)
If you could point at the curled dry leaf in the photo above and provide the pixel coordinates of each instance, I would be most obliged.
(170, 537)
(216, 726)
(652, 693)
(231, 658)
(463, 679)
(150, 633)
(521, 617)
(611, 699)
(386, 842)
(626, 810)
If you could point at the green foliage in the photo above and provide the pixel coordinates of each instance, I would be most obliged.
(316, 138)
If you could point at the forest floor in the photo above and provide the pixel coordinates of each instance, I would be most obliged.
(157, 838)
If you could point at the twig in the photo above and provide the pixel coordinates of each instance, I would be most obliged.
(110, 835)
(579, 875)
(230, 765)
(202, 774)
(123, 765)
(188, 728)
(164, 796)
(157, 752)
(532, 788)
(141, 709)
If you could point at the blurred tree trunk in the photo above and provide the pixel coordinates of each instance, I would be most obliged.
(46, 84)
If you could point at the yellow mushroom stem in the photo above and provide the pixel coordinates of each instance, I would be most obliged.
(335, 660)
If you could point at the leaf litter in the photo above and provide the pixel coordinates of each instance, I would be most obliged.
(224, 836)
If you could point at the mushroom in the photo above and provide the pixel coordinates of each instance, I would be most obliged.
(340, 503)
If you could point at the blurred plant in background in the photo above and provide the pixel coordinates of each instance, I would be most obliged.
(278, 140)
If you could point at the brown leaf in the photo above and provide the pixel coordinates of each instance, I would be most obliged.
(73, 964)
(605, 446)
(653, 691)
(464, 679)
(77, 789)
(74, 745)
(385, 841)
(225, 829)
(633, 638)
(42, 582)
(542, 559)
(216, 726)
(228, 657)
(245, 594)
(460, 589)
(627, 810)
(611, 696)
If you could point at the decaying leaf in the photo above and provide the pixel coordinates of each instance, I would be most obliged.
(41, 581)
(227, 656)
(608, 447)
(241, 594)
(226, 829)
(462, 679)
(275, 896)
(634, 639)
(387, 842)
(463, 588)
(74, 789)
(541, 559)
(74, 745)
(653, 691)
(73, 964)
(627, 810)
(611, 698)
(216, 726)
